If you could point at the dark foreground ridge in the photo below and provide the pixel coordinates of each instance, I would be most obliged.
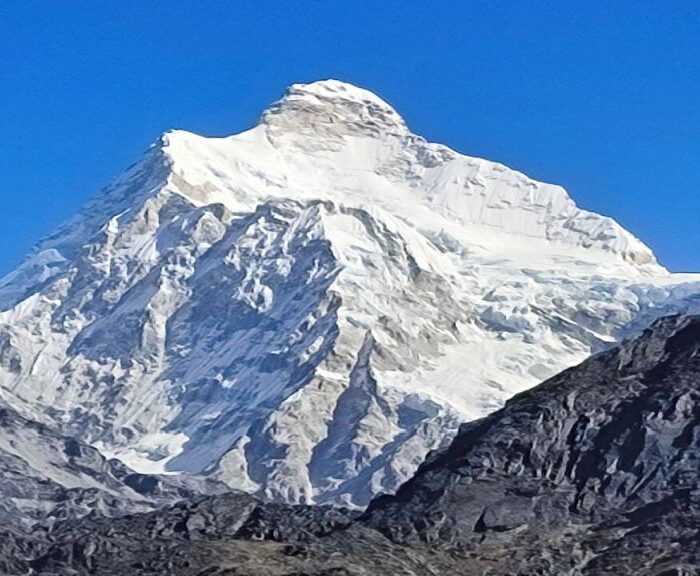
(595, 471)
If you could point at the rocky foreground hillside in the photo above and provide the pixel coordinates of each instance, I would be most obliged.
(596, 471)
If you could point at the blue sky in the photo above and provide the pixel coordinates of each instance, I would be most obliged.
(601, 97)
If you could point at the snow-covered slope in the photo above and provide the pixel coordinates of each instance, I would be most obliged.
(304, 309)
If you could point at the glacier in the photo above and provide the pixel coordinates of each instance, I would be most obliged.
(305, 309)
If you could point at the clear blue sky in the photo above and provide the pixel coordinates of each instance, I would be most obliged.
(602, 97)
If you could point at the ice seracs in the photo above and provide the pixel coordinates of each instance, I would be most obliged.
(307, 308)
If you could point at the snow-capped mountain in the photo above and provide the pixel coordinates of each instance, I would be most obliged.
(305, 309)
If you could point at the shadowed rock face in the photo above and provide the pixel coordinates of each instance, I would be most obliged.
(593, 472)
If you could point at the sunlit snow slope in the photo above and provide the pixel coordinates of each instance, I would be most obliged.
(304, 309)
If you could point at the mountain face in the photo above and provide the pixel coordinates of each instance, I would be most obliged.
(594, 472)
(306, 309)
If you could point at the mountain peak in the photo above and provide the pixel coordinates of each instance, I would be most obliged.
(335, 90)
(333, 107)
(207, 312)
